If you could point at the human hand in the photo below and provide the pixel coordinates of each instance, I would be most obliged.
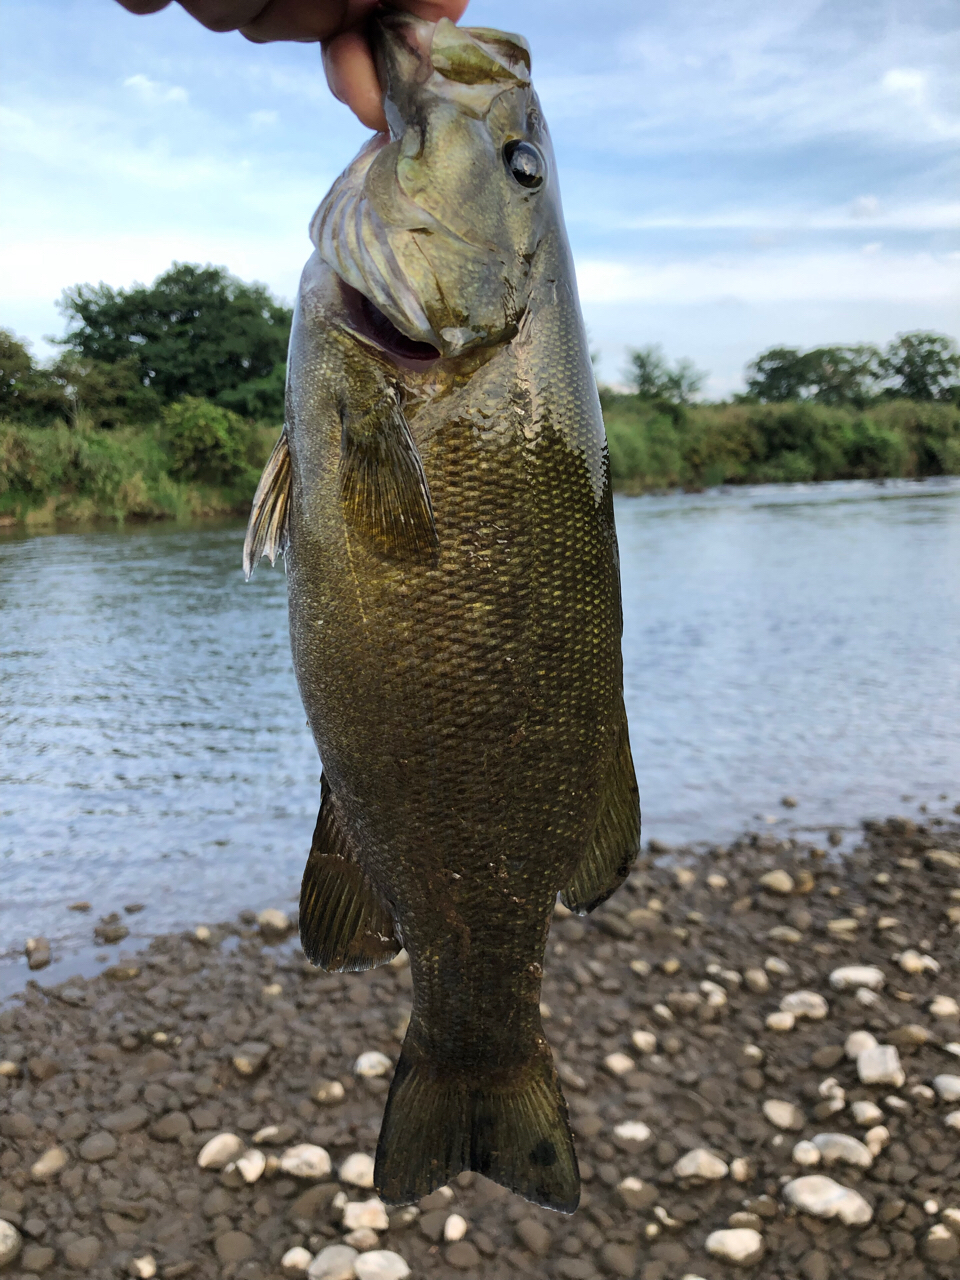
(336, 24)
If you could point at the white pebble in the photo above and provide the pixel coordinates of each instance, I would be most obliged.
(251, 1165)
(866, 1113)
(631, 1191)
(951, 1217)
(265, 1134)
(864, 996)
(334, 1263)
(357, 1170)
(372, 1063)
(740, 1245)
(273, 921)
(857, 975)
(806, 1153)
(701, 1163)
(644, 1041)
(717, 881)
(773, 964)
(740, 1170)
(805, 1004)
(782, 1020)
(381, 1264)
(952, 1046)
(327, 1091)
(783, 1114)
(914, 962)
(757, 981)
(856, 1042)
(880, 1065)
(10, 1242)
(296, 1259)
(202, 933)
(50, 1163)
(306, 1161)
(220, 1151)
(931, 1207)
(455, 1228)
(841, 1148)
(362, 1239)
(820, 1196)
(944, 1007)
(618, 1064)
(632, 1130)
(952, 1120)
(715, 994)
(778, 881)
(365, 1213)
(831, 1088)
(145, 1267)
(948, 1087)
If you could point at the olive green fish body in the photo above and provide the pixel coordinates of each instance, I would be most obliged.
(455, 622)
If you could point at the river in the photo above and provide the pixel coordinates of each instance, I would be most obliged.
(778, 640)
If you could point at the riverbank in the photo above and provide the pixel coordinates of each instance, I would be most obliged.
(59, 475)
(702, 1022)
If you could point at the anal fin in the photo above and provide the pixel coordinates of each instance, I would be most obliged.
(268, 527)
(615, 842)
(383, 489)
(345, 926)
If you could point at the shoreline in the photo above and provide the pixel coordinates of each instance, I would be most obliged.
(662, 1010)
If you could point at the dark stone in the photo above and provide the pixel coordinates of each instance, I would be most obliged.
(533, 1235)
(127, 1120)
(233, 1246)
(99, 1146)
(462, 1255)
(82, 1253)
(171, 1126)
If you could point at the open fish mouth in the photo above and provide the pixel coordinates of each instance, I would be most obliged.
(371, 323)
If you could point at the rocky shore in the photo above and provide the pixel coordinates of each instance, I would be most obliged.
(760, 1049)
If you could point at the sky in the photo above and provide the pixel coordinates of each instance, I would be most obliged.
(736, 174)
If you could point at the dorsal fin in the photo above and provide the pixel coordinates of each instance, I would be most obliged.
(268, 527)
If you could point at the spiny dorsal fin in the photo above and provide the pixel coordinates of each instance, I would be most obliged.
(615, 842)
(269, 523)
(386, 500)
(344, 923)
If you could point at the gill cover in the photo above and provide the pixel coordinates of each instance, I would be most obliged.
(429, 222)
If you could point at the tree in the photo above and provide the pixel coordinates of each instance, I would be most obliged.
(653, 379)
(826, 375)
(105, 395)
(196, 331)
(27, 393)
(923, 366)
(205, 441)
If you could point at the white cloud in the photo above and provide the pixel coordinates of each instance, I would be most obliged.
(153, 92)
(865, 207)
(261, 119)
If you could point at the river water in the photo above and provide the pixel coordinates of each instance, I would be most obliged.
(800, 640)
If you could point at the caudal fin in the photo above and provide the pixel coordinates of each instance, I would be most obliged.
(511, 1127)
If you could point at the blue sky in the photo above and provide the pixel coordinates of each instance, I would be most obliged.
(736, 174)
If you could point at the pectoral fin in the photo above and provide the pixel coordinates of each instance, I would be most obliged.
(344, 923)
(615, 842)
(386, 500)
(268, 527)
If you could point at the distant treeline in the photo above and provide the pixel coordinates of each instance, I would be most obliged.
(166, 400)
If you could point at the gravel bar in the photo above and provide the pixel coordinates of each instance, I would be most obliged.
(760, 1047)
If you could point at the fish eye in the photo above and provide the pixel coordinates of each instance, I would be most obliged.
(526, 163)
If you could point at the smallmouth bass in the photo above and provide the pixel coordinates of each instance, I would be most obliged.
(441, 495)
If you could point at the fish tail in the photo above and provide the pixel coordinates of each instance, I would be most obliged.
(511, 1126)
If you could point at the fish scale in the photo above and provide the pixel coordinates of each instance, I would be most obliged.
(445, 513)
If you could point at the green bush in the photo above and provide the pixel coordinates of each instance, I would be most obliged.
(206, 442)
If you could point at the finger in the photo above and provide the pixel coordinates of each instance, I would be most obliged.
(223, 15)
(299, 19)
(434, 10)
(144, 6)
(352, 78)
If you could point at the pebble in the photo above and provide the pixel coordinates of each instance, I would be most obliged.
(644, 1041)
(948, 1087)
(940, 1244)
(463, 1255)
(632, 1130)
(534, 1236)
(944, 1007)
(82, 1253)
(784, 1115)
(144, 1267)
(857, 975)
(743, 1246)
(805, 1004)
(778, 881)
(99, 1146)
(701, 1163)
(357, 1170)
(10, 1242)
(334, 1263)
(781, 1020)
(806, 1153)
(38, 953)
(880, 1065)
(327, 1092)
(915, 962)
(362, 1239)
(952, 1120)
(821, 1197)
(740, 1169)
(274, 924)
(50, 1163)
(455, 1228)
(637, 1194)
(841, 1148)
(866, 1113)
(296, 1259)
(306, 1161)
(381, 1264)
(856, 1042)
(250, 1057)
(757, 981)
(618, 1064)
(252, 1164)
(365, 1213)
(220, 1151)
(773, 964)
(371, 1064)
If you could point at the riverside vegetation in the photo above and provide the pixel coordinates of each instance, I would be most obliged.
(167, 399)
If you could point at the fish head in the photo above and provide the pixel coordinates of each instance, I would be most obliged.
(437, 223)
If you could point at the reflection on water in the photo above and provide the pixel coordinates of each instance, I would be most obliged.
(801, 640)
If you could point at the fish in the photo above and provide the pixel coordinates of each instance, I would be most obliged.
(441, 496)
